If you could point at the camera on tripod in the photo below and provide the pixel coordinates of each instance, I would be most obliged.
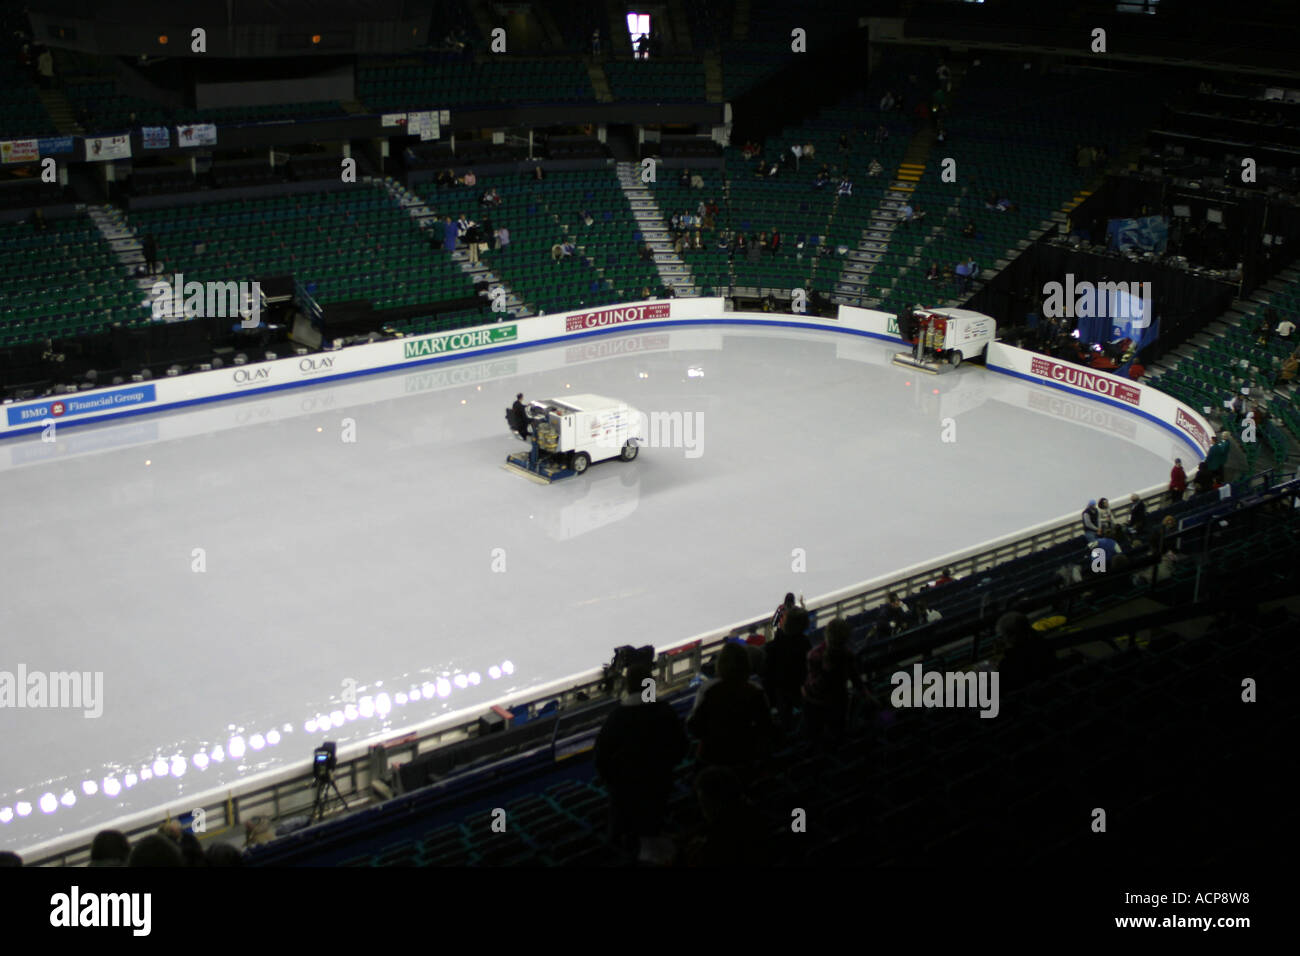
(323, 761)
(626, 659)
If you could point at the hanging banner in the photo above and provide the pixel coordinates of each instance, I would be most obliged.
(394, 119)
(156, 137)
(19, 151)
(55, 145)
(102, 148)
(200, 134)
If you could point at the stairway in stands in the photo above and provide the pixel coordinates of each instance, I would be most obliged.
(673, 272)
(424, 218)
(126, 245)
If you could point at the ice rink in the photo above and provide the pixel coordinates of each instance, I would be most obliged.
(233, 568)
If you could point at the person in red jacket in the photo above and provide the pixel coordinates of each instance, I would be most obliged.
(1177, 481)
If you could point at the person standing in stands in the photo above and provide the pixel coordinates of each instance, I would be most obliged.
(1177, 481)
(1091, 523)
(1105, 520)
(150, 250)
(825, 694)
(449, 234)
(637, 749)
(732, 719)
(1137, 516)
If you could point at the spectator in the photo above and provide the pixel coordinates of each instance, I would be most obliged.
(503, 237)
(156, 850)
(797, 152)
(1217, 458)
(731, 718)
(822, 179)
(1177, 481)
(786, 661)
(1105, 520)
(224, 854)
(1026, 657)
(887, 101)
(894, 616)
(1265, 329)
(110, 848)
(882, 134)
(1091, 523)
(775, 241)
(922, 613)
(968, 230)
(469, 179)
(933, 274)
(1287, 374)
(637, 749)
(45, 68)
(825, 696)
(645, 292)
(945, 577)
(734, 833)
(586, 217)
(449, 234)
(750, 150)
(1285, 328)
(809, 151)
(149, 246)
(10, 859)
(1137, 516)
(846, 186)
(595, 42)
(684, 179)
(490, 197)
(963, 272)
(645, 253)
(539, 173)
(779, 616)
(843, 144)
(446, 178)
(906, 213)
(875, 169)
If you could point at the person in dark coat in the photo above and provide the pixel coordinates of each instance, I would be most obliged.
(785, 662)
(732, 719)
(519, 416)
(150, 250)
(637, 749)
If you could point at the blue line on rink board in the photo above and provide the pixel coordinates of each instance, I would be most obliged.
(452, 357)
(1196, 449)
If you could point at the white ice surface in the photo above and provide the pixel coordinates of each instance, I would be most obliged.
(378, 560)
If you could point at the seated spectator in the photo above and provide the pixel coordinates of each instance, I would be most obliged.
(991, 201)
(968, 230)
(1287, 373)
(734, 832)
(586, 218)
(110, 848)
(697, 181)
(933, 274)
(822, 180)
(645, 253)
(539, 173)
(637, 749)
(945, 577)
(775, 242)
(846, 186)
(469, 179)
(224, 854)
(645, 292)
(772, 170)
(1005, 205)
(875, 169)
(894, 615)
(809, 150)
(447, 177)
(731, 717)
(684, 179)
(156, 850)
(503, 237)
(887, 101)
(1025, 656)
(1285, 328)
(490, 197)
(750, 150)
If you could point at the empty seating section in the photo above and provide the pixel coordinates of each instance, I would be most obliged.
(656, 81)
(22, 114)
(711, 22)
(342, 246)
(443, 81)
(61, 282)
(102, 108)
(603, 270)
(745, 65)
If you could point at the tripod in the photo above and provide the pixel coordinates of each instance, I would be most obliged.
(324, 784)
